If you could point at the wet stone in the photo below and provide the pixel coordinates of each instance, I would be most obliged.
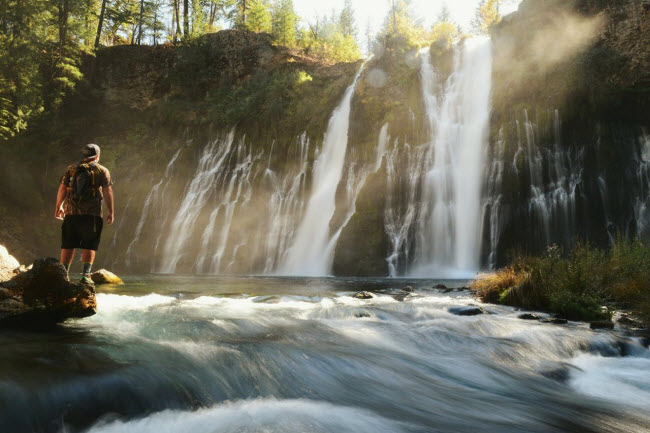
(439, 286)
(601, 324)
(528, 316)
(466, 311)
(555, 320)
(407, 289)
(364, 295)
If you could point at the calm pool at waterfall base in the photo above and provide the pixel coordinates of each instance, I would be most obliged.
(274, 354)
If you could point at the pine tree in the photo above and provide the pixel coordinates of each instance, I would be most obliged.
(347, 21)
(259, 16)
(284, 21)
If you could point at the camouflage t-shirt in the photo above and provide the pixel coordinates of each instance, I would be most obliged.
(89, 207)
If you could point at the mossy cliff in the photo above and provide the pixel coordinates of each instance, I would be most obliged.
(142, 104)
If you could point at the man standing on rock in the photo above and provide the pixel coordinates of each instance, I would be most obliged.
(79, 204)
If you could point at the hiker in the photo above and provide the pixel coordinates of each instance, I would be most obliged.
(79, 205)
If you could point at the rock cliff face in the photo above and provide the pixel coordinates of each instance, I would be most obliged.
(568, 155)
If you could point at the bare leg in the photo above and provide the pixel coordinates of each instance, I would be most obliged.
(67, 256)
(87, 256)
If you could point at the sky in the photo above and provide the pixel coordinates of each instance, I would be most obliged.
(374, 11)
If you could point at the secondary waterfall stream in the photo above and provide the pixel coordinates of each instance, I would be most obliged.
(310, 252)
(448, 241)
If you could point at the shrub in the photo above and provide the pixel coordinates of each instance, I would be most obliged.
(576, 285)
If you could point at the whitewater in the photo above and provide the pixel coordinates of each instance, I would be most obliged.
(272, 354)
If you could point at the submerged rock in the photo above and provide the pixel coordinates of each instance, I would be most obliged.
(528, 316)
(407, 289)
(364, 295)
(103, 276)
(466, 310)
(601, 324)
(555, 320)
(43, 296)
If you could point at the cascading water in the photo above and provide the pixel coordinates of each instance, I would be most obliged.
(448, 239)
(286, 204)
(195, 197)
(309, 253)
(642, 204)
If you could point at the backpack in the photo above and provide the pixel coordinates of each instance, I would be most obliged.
(82, 185)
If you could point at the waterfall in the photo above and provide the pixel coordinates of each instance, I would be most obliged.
(448, 239)
(155, 196)
(195, 197)
(309, 253)
(642, 204)
(285, 206)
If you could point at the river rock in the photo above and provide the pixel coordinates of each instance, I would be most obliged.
(407, 289)
(630, 323)
(103, 276)
(8, 265)
(528, 316)
(601, 324)
(466, 310)
(364, 295)
(43, 296)
(555, 320)
(439, 286)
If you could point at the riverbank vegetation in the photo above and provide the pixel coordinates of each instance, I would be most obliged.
(585, 284)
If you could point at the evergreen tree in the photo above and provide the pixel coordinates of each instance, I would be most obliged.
(401, 29)
(259, 16)
(284, 22)
(444, 32)
(347, 21)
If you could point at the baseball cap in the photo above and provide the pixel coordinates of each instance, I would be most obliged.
(90, 150)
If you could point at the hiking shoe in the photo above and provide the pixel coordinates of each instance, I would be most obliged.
(87, 280)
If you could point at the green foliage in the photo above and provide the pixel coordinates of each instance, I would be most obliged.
(332, 39)
(487, 14)
(401, 30)
(444, 34)
(284, 23)
(259, 16)
(575, 286)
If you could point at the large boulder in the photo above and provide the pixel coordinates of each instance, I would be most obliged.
(103, 276)
(43, 296)
(8, 264)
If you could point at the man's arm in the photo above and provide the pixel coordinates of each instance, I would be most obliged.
(110, 205)
(59, 213)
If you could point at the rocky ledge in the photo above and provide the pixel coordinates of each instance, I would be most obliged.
(43, 296)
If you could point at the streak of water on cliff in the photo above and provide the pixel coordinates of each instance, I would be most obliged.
(310, 252)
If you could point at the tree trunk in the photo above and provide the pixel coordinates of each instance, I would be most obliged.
(63, 25)
(99, 26)
(155, 22)
(186, 21)
(177, 10)
(140, 22)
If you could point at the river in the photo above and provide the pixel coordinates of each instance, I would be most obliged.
(275, 354)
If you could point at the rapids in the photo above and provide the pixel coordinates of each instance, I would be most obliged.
(274, 354)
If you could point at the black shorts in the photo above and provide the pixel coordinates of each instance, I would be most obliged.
(81, 231)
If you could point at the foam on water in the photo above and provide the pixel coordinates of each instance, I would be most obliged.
(622, 380)
(259, 415)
